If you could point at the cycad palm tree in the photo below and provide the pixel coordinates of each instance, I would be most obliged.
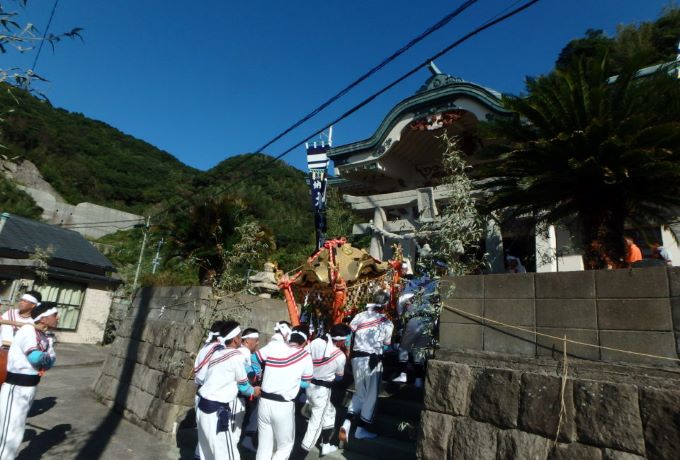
(595, 151)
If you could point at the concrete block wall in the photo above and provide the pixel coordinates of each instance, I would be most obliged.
(147, 375)
(484, 411)
(636, 310)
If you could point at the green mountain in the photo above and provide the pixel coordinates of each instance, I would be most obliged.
(88, 160)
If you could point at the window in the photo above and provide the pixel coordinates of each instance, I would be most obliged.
(69, 298)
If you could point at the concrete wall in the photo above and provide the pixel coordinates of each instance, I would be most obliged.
(476, 408)
(93, 315)
(147, 375)
(636, 310)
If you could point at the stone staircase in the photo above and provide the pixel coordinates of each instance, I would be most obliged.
(397, 423)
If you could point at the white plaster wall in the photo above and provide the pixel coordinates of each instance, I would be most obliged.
(668, 242)
(93, 316)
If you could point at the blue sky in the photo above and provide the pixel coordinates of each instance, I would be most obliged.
(210, 79)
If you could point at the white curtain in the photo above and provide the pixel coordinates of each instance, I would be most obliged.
(69, 298)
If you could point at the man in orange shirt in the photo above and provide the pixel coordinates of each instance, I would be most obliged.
(633, 253)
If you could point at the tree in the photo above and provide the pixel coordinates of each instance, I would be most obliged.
(591, 152)
(651, 42)
(455, 236)
(15, 201)
(204, 232)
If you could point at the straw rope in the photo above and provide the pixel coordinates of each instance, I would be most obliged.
(563, 406)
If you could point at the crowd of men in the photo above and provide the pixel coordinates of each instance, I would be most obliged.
(246, 391)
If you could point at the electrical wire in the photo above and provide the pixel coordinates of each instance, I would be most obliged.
(47, 28)
(78, 224)
(496, 19)
(441, 23)
(427, 32)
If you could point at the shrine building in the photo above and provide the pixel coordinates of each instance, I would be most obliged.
(393, 178)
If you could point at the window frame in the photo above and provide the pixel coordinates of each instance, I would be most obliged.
(59, 284)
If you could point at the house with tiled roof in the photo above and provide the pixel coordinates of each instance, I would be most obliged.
(64, 267)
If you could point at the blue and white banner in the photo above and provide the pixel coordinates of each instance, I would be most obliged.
(317, 161)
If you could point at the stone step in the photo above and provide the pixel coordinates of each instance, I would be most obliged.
(406, 410)
(396, 426)
(382, 447)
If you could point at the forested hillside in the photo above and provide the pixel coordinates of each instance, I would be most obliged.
(88, 160)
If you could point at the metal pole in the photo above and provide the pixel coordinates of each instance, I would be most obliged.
(141, 254)
(157, 257)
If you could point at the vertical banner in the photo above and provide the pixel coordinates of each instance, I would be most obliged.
(317, 162)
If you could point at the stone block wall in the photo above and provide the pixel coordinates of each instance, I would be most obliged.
(148, 373)
(475, 408)
(636, 310)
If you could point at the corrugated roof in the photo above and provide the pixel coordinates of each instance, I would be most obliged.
(24, 235)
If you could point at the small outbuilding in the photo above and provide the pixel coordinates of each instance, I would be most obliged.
(64, 267)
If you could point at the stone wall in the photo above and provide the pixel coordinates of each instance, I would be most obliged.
(147, 375)
(479, 408)
(636, 310)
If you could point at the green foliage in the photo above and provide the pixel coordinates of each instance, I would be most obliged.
(594, 153)
(202, 233)
(459, 229)
(651, 42)
(248, 252)
(277, 198)
(87, 160)
(122, 249)
(15, 201)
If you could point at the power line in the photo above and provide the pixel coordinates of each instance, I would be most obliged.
(427, 32)
(430, 30)
(490, 23)
(78, 224)
(47, 28)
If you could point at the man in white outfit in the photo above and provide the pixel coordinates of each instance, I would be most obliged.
(211, 345)
(372, 333)
(30, 356)
(219, 407)
(329, 366)
(287, 368)
(21, 314)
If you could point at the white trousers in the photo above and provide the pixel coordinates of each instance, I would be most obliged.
(276, 429)
(366, 388)
(223, 445)
(323, 414)
(15, 401)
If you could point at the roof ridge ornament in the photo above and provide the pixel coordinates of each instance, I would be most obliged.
(438, 79)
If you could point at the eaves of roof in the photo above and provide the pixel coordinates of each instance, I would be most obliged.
(485, 96)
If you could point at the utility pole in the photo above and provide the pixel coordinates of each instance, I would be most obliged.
(157, 257)
(141, 254)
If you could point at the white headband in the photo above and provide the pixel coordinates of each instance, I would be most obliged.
(30, 298)
(46, 313)
(252, 335)
(282, 328)
(339, 337)
(300, 333)
(232, 334)
(371, 306)
(211, 335)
